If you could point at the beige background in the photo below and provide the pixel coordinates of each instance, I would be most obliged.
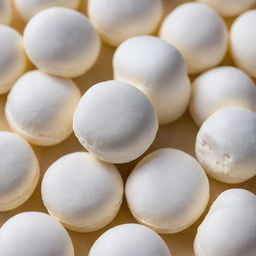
(180, 134)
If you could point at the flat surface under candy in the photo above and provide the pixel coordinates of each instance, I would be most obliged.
(180, 134)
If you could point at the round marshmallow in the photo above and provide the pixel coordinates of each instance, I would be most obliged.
(226, 145)
(158, 70)
(218, 88)
(199, 33)
(117, 20)
(34, 233)
(5, 12)
(66, 45)
(129, 239)
(115, 121)
(230, 227)
(82, 192)
(243, 40)
(19, 171)
(167, 191)
(27, 9)
(12, 57)
(229, 8)
(40, 107)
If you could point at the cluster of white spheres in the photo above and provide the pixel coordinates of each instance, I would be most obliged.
(117, 121)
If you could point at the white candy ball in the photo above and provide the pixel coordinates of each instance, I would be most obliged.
(12, 57)
(218, 88)
(115, 121)
(199, 33)
(34, 233)
(19, 171)
(28, 8)
(167, 191)
(157, 69)
(243, 40)
(128, 240)
(82, 192)
(117, 20)
(226, 145)
(229, 228)
(61, 42)
(229, 8)
(40, 107)
(5, 12)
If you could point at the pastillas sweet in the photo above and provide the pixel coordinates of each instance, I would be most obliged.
(40, 107)
(82, 192)
(115, 121)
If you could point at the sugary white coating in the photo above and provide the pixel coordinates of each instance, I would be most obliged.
(12, 57)
(226, 145)
(243, 40)
(157, 69)
(27, 9)
(118, 20)
(129, 239)
(19, 171)
(5, 12)
(115, 121)
(199, 33)
(218, 88)
(66, 45)
(40, 107)
(34, 234)
(82, 192)
(229, 8)
(229, 228)
(167, 191)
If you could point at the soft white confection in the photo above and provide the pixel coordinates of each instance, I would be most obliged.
(34, 234)
(19, 171)
(40, 107)
(82, 192)
(5, 12)
(243, 40)
(199, 33)
(229, 8)
(229, 228)
(218, 88)
(157, 69)
(128, 240)
(12, 57)
(28, 8)
(66, 45)
(118, 20)
(115, 121)
(226, 145)
(167, 191)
